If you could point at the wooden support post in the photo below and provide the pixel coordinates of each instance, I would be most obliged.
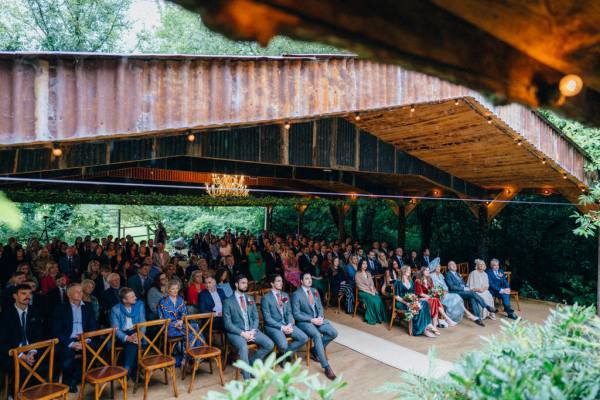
(483, 236)
(301, 208)
(268, 218)
(353, 221)
(119, 223)
(401, 228)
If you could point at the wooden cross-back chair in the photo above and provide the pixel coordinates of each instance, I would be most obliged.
(398, 313)
(196, 333)
(153, 354)
(99, 369)
(514, 293)
(463, 268)
(45, 389)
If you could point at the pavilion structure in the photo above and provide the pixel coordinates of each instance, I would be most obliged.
(329, 124)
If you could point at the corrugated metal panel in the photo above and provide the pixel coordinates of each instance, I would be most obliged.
(368, 152)
(30, 159)
(169, 146)
(300, 140)
(345, 149)
(271, 144)
(133, 149)
(216, 144)
(85, 153)
(323, 145)
(385, 157)
(7, 159)
(246, 143)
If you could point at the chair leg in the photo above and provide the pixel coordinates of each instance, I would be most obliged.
(392, 318)
(112, 388)
(166, 380)
(308, 343)
(355, 307)
(137, 377)
(193, 376)
(174, 379)
(146, 382)
(124, 386)
(210, 365)
(5, 387)
(82, 391)
(218, 360)
(96, 392)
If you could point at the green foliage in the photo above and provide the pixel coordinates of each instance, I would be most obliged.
(291, 382)
(557, 360)
(10, 215)
(64, 25)
(182, 31)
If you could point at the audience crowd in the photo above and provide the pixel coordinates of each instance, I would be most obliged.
(63, 289)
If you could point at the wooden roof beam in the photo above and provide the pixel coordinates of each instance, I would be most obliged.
(495, 206)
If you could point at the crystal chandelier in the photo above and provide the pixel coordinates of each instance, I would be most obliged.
(224, 185)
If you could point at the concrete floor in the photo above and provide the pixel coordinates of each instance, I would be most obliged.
(362, 373)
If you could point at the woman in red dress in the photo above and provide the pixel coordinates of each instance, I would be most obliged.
(424, 288)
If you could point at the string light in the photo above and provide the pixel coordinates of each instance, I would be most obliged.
(546, 192)
(489, 120)
(544, 161)
(287, 125)
(565, 176)
(357, 116)
(507, 191)
(191, 137)
(519, 143)
(412, 108)
(56, 150)
(456, 102)
(275, 191)
(570, 85)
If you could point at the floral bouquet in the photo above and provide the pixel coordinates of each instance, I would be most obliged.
(438, 292)
(413, 304)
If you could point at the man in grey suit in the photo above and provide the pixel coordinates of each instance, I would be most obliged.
(240, 318)
(278, 318)
(307, 309)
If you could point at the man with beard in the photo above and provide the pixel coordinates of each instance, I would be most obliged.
(240, 318)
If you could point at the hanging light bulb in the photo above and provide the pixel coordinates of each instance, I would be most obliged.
(456, 102)
(357, 116)
(565, 176)
(544, 161)
(412, 108)
(570, 85)
(191, 137)
(287, 125)
(56, 150)
(489, 120)
(519, 143)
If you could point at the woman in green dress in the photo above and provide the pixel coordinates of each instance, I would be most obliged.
(255, 261)
(367, 294)
(421, 322)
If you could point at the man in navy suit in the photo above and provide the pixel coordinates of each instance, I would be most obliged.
(307, 310)
(211, 301)
(457, 285)
(499, 286)
(20, 325)
(278, 319)
(70, 264)
(70, 321)
(240, 318)
(141, 282)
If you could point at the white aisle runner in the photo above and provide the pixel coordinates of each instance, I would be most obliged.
(389, 353)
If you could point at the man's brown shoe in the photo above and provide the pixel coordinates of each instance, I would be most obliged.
(329, 373)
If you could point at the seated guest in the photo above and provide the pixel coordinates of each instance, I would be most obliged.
(479, 283)
(352, 268)
(15, 280)
(421, 322)
(70, 264)
(110, 296)
(457, 285)
(337, 279)
(240, 318)
(195, 287)
(70, 321)
(413, 261)
(424, 288)
(88, 286)
(156, 293)
(453, 304)
(499, 287)
(307, 310)
(375, 309)
(255, 264)
(372, 263)
(58, 295)
(172, 308)
(314, 268)
(26, 269)
(102, 282)
(223, 282)
(140, 282)
(290, 267)
(20, 325)
(392, 274)
(38, 301)
(124, 316)
(278, 318)
(211, 301)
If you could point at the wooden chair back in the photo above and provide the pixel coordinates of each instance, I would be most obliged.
(378, 281)
(95, 355)
(195, 335)
(463, 268)
(507, 273)
(155, 345)
(45, 351)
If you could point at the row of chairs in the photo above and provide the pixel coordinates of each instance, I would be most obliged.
(99, 353)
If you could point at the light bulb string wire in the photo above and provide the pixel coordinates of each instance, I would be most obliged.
(281, 191)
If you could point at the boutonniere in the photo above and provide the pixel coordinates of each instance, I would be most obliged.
(316, 293)
(251, 302)
(284, 299)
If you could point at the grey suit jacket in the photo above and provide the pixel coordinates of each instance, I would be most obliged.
(301, 309)
(272, 317)
(232, 314)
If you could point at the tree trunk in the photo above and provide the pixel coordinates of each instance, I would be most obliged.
(484, 238)
(353, 221)
(367, 224)
(268, 218)
(401, 224)
(337, 214)
(425, 215)
(300, 220)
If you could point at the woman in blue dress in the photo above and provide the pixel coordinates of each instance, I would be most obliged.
(421, 322)
(172, 307)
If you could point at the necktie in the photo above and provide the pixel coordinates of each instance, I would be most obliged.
(279, 299)
(62, 295)
(23, 334)
(243, 303)
(311, 299)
